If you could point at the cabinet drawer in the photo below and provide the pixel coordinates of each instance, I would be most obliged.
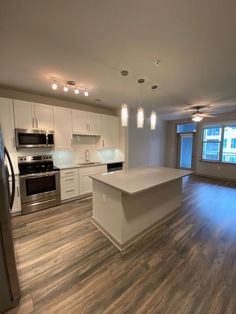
(68, 193)
(69, 172)
(92, 170)
(69, 181)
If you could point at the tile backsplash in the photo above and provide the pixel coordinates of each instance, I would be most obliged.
(77, 154)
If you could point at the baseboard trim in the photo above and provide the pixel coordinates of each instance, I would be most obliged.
(214, 177)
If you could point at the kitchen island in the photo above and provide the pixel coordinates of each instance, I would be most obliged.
(129, 203)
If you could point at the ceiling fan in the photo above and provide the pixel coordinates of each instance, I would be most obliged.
(198, 115)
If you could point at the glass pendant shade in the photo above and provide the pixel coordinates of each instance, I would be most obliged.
(124, 115)
(140, 118)
(153, 120)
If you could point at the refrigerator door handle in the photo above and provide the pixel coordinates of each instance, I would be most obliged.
(12, 196)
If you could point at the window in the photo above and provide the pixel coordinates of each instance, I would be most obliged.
(219, 143)
(186, 128)
(225, 143)
(229, 152)
(211, 143)
(233, 143)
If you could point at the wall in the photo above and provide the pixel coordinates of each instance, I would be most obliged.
(15, 94)
(145, 146)
(219, 170)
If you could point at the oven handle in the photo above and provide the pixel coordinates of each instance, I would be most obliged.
(38, 175)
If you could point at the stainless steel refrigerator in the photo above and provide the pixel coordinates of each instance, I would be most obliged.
(9, 284)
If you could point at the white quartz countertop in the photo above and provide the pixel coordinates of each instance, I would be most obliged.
(82, 165)
(137, 180)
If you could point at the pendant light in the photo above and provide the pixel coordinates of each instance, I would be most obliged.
(153, 120)
(140, 112)
(124, 107)
(140, 118)
(153, 117)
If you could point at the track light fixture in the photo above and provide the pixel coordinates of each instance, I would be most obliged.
(66, 85)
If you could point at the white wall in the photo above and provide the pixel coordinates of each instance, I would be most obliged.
(145, 147)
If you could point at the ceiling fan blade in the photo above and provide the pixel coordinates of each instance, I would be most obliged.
(206, 115)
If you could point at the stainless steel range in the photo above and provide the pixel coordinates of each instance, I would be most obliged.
(39, 183)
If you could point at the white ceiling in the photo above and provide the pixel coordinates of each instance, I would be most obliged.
(91, 41)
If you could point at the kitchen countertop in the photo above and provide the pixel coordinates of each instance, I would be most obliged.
(70, 166)
(137, 180)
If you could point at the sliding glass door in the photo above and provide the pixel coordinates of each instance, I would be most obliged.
(185, 151)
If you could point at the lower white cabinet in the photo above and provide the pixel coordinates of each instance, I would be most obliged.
(17, 201)
(85, 183)
(69, 183)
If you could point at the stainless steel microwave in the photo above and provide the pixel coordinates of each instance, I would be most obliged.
(34, 138)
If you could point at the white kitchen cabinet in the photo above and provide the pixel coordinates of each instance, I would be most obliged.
(94, 123)
(29, 115)
(62, 128)
(109, 126)
(87, 123)
(16, 209)
(85, 182)
(24, 114)
(79, 122)
(69, 182)
(44, 116)
(7, 123)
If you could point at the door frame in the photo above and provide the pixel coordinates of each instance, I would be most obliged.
(178, 150)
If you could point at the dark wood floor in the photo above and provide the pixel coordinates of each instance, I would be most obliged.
(187, 265)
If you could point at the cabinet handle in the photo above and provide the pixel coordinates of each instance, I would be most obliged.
(33, 122)
(89, 127)
(17, 190)
(69, 172)
(69, 179)
(37, 121)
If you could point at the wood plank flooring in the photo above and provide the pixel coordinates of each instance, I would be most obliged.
(186, 265)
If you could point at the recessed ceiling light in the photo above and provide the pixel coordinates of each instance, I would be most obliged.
(154, 87)
(157, 62)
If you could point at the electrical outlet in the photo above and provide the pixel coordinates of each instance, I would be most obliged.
(104, 198)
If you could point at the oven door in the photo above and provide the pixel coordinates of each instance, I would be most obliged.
(39, 186)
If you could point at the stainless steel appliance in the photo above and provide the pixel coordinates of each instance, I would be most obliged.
(34, 138)
(115, 166)
(39, 183)
(9, 285)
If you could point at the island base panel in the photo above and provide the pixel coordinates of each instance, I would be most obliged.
(124, 218)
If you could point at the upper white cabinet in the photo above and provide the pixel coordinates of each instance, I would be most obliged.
(62, 127)
(44, 116)
(29, 115)
(24, 114)
(109, 131)
(94, 122)
(86, 123)
(7, 123)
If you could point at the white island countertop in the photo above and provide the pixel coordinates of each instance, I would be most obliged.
(137, 180)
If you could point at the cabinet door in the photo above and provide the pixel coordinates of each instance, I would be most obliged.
(94, 122)
(109, 131)
(85, 183)
(7, 123)
(44, 116)
(62, 127)
(24, 114)
(79, 122)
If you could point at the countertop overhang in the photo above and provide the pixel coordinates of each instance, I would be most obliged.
(136, 180)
